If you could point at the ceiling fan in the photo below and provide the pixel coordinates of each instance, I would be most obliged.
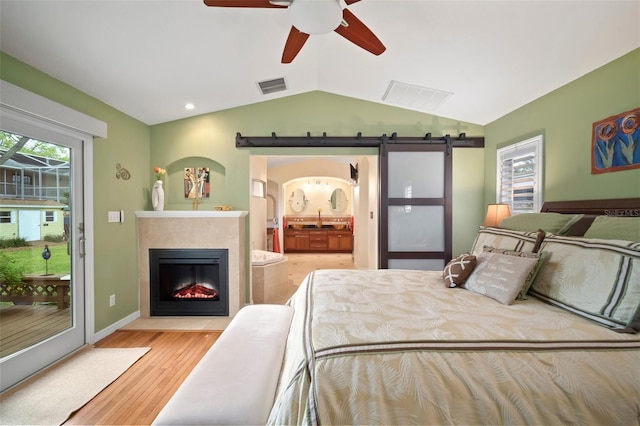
(314, 17)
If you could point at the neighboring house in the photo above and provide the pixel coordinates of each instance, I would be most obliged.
(32, 196)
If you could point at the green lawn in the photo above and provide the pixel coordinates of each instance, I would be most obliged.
(31, 259)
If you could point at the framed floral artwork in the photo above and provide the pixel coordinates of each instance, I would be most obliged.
(615, 143)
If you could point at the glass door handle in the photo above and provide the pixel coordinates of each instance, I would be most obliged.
(81, 241)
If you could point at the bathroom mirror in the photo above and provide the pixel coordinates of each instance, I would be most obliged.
(338, 200)
(297, 200)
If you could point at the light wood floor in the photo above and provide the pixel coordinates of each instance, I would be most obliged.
(137, 396)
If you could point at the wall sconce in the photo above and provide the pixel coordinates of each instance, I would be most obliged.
(258, 188)
(495, 214)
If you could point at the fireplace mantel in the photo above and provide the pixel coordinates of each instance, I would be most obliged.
(190, 213)
(194, 229)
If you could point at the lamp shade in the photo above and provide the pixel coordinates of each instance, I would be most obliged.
(495, 214)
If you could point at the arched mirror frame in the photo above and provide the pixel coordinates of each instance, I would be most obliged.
(338, 200)
(298, 200)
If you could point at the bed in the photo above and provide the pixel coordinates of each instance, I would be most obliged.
(537, 324)
(401, 347)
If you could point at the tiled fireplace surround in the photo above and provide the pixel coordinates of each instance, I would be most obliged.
(193, 229)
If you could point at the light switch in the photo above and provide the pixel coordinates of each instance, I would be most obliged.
(114, 216)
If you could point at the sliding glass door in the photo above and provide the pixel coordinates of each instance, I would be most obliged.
(42, 315)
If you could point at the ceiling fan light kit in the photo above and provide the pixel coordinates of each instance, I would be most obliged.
(315, 16)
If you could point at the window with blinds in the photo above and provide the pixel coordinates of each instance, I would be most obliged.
(519, 180)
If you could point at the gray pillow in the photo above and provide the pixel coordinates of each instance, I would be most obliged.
(500, 276)
(532, 276)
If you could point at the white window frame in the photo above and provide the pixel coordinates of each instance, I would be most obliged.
(532, 145)
(7, 214)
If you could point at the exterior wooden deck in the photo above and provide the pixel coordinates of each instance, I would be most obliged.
(23, 325)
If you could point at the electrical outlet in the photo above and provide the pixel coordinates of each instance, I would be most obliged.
(112, 300)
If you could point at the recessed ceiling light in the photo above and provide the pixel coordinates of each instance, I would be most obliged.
(189, 106)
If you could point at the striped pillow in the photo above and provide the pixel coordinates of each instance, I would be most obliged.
(594, 278)
(506, 239)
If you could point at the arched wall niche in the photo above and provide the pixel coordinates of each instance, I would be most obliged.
(175, 182)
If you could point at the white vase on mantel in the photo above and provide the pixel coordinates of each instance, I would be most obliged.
(157, 196)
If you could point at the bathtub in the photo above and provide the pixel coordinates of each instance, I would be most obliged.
(269, 277)
(261, 257)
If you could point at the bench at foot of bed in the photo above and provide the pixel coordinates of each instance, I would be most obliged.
(235, 382)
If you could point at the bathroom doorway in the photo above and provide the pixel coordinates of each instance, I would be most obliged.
(323, 175)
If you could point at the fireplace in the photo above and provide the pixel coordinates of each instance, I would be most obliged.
(189, 282)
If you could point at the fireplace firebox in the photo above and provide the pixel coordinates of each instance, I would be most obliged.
(189, 282)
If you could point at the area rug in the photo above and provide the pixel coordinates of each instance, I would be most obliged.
(51, 398)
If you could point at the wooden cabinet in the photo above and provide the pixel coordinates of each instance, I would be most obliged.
(296, 240)
(318, 240)
(341, 241)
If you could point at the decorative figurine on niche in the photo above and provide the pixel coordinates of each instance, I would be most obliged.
(196, 184)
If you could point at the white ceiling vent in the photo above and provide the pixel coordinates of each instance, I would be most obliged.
(272, 86)
(415, 97)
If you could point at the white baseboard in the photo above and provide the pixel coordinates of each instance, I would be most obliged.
(113, 327)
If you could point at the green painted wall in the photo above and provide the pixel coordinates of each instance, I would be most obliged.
(565, 117)
(128, 143)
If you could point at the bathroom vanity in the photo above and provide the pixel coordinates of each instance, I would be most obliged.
(310, 238)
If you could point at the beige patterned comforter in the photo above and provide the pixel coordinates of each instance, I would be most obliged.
(397, 347)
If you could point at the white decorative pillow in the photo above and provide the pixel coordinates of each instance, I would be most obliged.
(594, 278)
(500, 276)
(458, 269)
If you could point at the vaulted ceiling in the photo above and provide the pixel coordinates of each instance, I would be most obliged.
(149, 58)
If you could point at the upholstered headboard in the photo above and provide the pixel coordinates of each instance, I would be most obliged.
(629, 207)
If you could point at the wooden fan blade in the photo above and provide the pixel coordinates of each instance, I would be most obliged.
(359, 34)
(294, 43)
(348, 2)
(241, 3)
